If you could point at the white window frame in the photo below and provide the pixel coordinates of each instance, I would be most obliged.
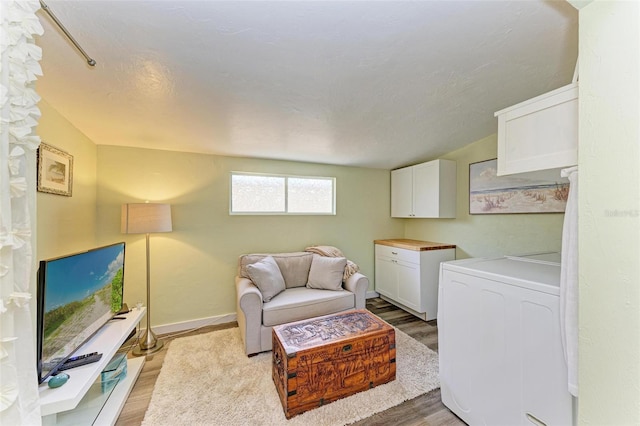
(286, 195)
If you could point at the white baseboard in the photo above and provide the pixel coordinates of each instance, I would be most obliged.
(220, 319)
(191, 324)
(372, 294)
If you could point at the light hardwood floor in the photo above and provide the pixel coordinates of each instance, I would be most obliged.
(423, 410)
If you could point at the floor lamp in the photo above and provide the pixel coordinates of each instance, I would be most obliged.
(145, 218)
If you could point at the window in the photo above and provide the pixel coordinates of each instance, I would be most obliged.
(253, 193)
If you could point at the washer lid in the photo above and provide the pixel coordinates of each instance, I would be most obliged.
(552, 258)
(535, 274)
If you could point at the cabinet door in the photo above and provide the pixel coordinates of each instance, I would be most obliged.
(426, 189)
(408, 284)
(386, 277)
(402, 192)
(539, 134)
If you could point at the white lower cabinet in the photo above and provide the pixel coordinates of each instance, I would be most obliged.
(408, 277)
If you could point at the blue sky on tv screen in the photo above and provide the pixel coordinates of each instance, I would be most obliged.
(75, 277)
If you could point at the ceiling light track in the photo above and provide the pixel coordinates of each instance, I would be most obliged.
(90, 61)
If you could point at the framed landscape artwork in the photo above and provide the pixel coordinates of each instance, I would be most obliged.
(534, 192)
(55, 170)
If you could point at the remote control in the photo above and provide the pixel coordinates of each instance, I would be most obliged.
(74, 358)
(80, 360)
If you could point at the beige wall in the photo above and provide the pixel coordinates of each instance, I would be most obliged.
(609, 204)
(487, 235)
(67, 224)
(193, 267)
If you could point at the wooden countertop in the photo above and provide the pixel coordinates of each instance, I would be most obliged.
(416, 245)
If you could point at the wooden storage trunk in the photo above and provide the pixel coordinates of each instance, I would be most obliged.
(323, 359)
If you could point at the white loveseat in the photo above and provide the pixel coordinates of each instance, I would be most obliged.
(298, 300)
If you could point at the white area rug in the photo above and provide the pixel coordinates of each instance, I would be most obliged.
(208, 380)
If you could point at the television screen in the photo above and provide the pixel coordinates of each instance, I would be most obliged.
(77, 295)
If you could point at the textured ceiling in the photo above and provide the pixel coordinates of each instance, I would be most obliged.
(364, 83)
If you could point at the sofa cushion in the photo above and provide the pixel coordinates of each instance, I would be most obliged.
(266, 275)
(326, 272)
(293, 266)
(300, 303)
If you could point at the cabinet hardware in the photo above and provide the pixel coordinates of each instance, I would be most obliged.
(533, 419)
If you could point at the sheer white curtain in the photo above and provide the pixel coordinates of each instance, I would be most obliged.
(19, 402)
(569, 281)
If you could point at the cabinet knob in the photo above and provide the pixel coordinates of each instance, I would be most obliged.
(393, 252)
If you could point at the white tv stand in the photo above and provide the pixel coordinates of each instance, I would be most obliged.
(79, 400)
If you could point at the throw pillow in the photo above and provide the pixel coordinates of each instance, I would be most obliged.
(266, 275)
(294, 266)
(326, 272)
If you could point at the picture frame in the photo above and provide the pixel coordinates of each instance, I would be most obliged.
(542, 191)
(55, 170)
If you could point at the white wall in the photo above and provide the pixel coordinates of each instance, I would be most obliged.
(609, 233)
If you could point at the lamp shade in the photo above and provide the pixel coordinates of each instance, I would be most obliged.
(144, 218)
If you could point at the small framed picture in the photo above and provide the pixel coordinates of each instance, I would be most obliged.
(55, 170)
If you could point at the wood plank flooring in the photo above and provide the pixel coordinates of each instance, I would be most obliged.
(425, 410)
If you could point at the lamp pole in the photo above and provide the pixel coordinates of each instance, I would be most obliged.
(148, 342)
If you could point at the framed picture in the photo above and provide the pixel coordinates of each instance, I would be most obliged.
(534, 192)
(55, 170)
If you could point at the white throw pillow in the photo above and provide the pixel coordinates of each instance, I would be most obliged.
(326, 272)
(267, 276)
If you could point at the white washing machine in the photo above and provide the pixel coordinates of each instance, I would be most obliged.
(500, 350)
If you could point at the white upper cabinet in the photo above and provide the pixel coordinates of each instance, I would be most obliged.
(402, 192)
(539, 134)
(426, 190)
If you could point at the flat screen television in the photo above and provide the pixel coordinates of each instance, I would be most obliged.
(77, 295)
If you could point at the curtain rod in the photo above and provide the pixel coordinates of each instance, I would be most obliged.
(90, 61)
